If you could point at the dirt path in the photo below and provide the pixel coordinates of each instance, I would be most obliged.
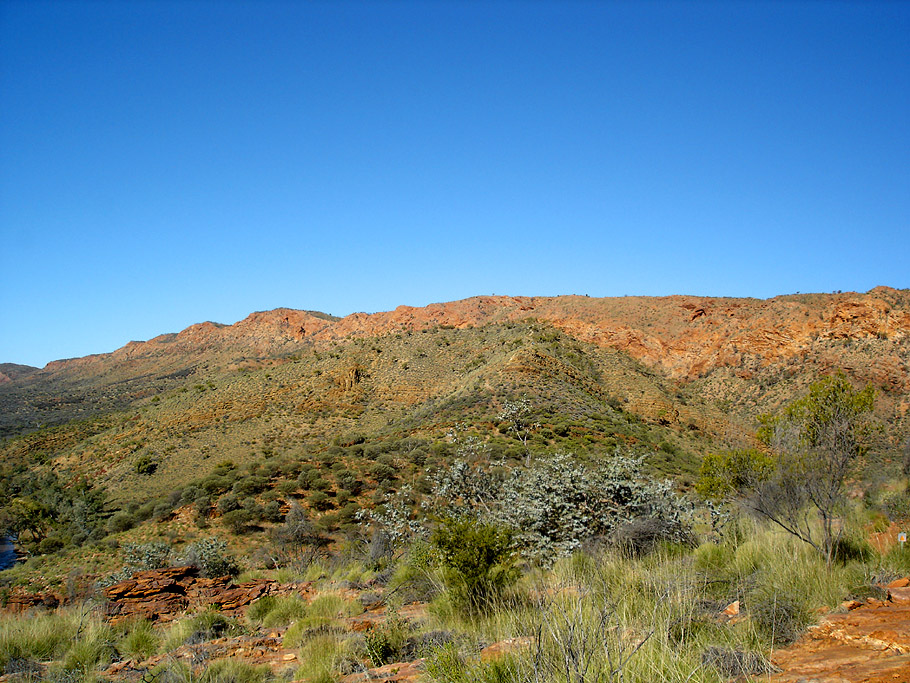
(867, 644)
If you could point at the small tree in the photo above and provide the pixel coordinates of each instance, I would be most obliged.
(518, 416)
(814, 443)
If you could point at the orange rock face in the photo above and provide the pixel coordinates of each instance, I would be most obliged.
(162, 594)
(684, 336)
(870, 644)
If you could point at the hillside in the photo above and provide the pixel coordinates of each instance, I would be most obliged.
(738, 354)
(276, 435)
(674, 376)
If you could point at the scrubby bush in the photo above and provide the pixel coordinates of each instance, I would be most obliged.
(238, 521)
(558, 504)
(271, 511)
(228, 503)
(479, 559)
(146, 465)
(250, 485)
(385, 642)
(321, 501)
(212, 558)
(780, 615)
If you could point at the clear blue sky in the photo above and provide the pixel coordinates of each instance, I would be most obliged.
(165, 163)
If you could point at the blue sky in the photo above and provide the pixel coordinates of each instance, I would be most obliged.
(165, 163)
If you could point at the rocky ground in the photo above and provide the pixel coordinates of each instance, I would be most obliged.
(862, 642)
(867, 643)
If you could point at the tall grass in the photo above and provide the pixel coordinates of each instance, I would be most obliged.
(35, 636)
(610, 618)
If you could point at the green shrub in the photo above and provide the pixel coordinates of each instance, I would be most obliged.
(250, 486)
(479, 558)
(321, 501)
(228, 503)
(212, 558)
(121, 521)
(385, 642)
(146, 465)
(237, 521)
(140, 642)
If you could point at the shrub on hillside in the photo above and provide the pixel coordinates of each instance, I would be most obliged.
(237, 521)
(558, 504)
(146, 465)
(212, 558)
(479, 558)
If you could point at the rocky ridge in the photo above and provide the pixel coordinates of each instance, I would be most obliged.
(684, 336)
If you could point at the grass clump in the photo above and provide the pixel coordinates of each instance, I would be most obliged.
(93, 649)
(202, 627)
(42, 637)
(140, 642)
(325, 654)
(233, 671)
(320, 617)
(271, 611)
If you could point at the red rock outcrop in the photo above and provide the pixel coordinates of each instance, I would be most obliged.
(20, 601)
(869, 643)
(162, 594)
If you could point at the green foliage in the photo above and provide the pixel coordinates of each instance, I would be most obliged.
(140, 642)
(385, 642)
(121, 521)
(211, 556)
(727, 473)
(480, 558)
(35, 505)
(832, 415)
(237, 521)
(815, 442)
(321, 501)
(146, 465)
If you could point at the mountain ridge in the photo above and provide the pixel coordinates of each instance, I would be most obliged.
(685, 336)
(742, 355)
